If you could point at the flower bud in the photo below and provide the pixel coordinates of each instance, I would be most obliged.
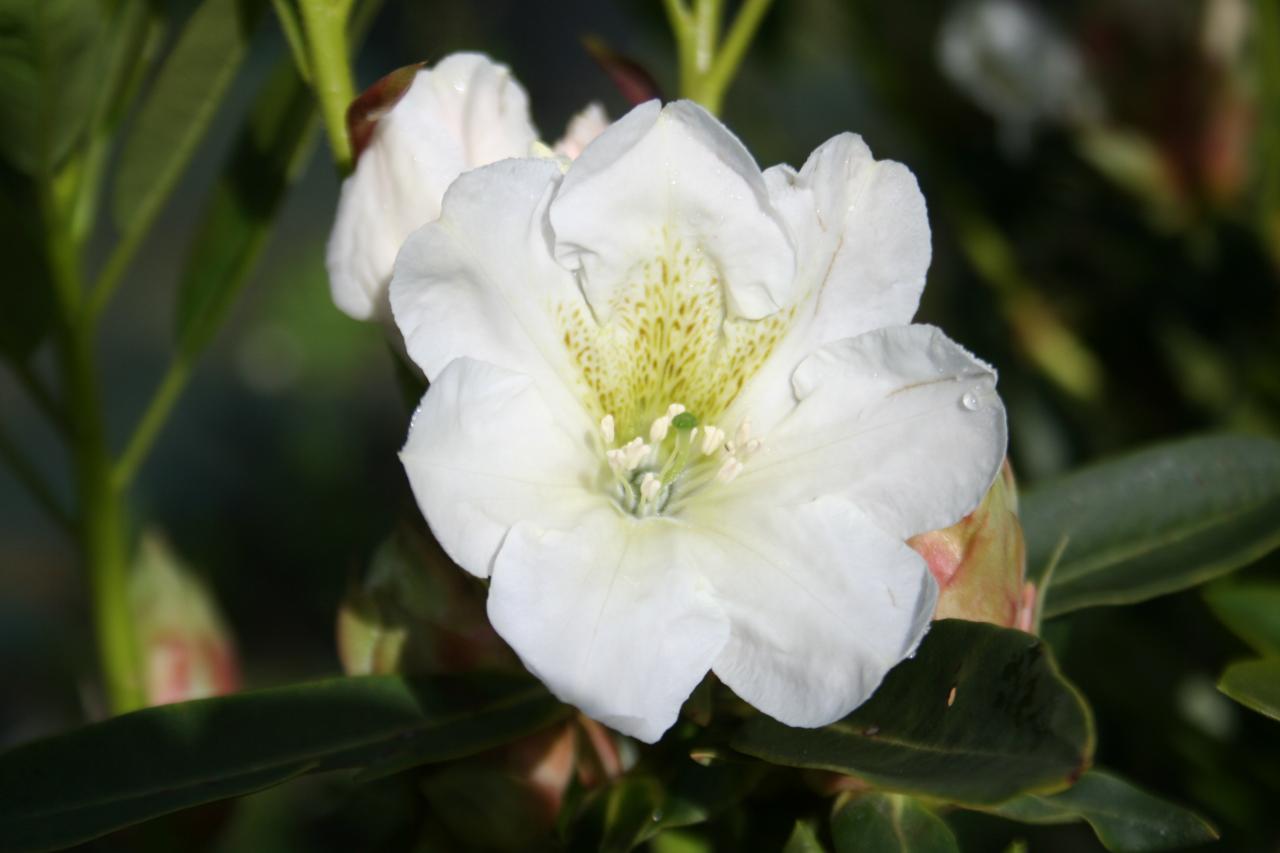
(415, 613)
(980, 562)
(186, 649)
(414, 131)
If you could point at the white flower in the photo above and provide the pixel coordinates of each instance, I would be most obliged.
(678, 420)
(465, 112)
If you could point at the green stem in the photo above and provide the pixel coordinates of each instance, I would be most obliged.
(26, 474)
(325, 23)
(717, 79)
(153, 419)
(101, 528)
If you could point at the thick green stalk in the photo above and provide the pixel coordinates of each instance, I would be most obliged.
(325, 24)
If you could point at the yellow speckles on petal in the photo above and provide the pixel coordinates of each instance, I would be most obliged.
(668, 337)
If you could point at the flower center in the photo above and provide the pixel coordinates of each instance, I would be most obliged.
(679, 457)
(667, 334)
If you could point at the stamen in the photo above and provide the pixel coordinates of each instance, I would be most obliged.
(674, 409)
(617, 459)
(636, 450)
(730, 469)
(606, 427)
(744, 433)
(712, 439)
(650, 485)
(658, 431)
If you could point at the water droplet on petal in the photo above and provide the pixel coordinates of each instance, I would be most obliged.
(970, 401)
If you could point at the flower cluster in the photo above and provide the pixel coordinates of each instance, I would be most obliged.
(678, 414)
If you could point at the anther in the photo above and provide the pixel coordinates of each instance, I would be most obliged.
(712, 439)
(744, 433)
(606, 427)
(730, 469)
(674, 409)
(636, 451)
(658, 430)
(650, 485)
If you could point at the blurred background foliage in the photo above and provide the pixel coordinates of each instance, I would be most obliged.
(1104, 189)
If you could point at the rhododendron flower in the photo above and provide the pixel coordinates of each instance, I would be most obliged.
(415, 131)
(679, 418)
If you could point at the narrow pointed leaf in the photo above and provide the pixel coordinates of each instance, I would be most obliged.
(618, 818)
(1155, 521)
(1254, 684)
(888, 823)
(1251, 610)
(181, 104)
(1125, 818)
(267, 158)
(1012, 724)
(51, 53)
(76, 786)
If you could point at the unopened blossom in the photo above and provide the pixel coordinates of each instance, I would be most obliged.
(680, 420)
(414, 132)
(980, 562)
(186, 648)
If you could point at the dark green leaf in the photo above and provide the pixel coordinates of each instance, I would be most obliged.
(492, 808)
(1012, 724)
(618, 818)
(803, 839)
(1251, 610)
(699, 793)
(890, 823)
(1125, 817)
(1254, 684)
(1156, 521)
(50, 57)
(181, 104)
(73, 787)
(267, 159)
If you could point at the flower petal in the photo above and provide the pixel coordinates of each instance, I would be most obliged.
(610, 614)
(659, 176)
(480, 281)
(862, 235)
(464, 112)
(484, 452)
(821, 604)
(902, 422)
(582, 130)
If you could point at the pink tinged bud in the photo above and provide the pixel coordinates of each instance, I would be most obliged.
(186, 649)
(980, 562)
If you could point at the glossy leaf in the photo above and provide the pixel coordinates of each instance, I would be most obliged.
(181, 104)
(1251, 610)
(1156, 521)
(90, 781)
(1254, 684)
(267, 159)
(50, 57)
(980, 714)
(1125, 817)
(889, 823)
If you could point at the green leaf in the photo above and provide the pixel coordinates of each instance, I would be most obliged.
(889, 823)
(1251, 610)
(77, 786)
(1254, 684)
(492, 808)
(803, 839)
(266, 160)
(51, 53)
(618, 818)
(1125, 817)
(1156, 521)
(1012, 724)
(177, 111)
